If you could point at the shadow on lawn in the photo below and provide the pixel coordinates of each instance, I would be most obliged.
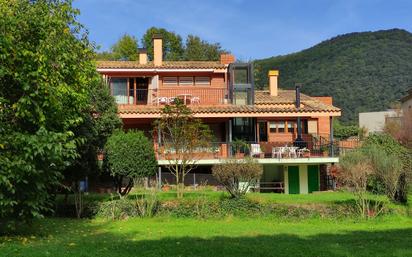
(397, 242)
(384, 243)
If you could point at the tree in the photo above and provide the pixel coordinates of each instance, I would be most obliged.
(172, 44)
(355, 172)
(129, 156)
(349, 67)
(98, 124)
(389, 146)
(46, 72)
(126, 48)
(345, 131)
(184, 140)
(200, 50)
(237, 175)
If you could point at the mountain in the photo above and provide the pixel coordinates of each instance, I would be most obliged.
(364, 71)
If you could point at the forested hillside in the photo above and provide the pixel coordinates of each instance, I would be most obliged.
(362, 71)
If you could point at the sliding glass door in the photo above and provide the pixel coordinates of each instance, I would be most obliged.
(119, 89)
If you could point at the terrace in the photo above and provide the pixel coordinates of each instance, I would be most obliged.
(315, 151)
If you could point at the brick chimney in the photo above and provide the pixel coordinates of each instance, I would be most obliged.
(142, 56)
(273, 82)
(227, 58)
(157, 49)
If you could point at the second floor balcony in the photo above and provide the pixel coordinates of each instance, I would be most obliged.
(163, 96)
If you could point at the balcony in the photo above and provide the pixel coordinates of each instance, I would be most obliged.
(264, 152)
(163, 96)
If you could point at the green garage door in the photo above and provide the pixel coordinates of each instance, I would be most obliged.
(293, 177)
(313, 178)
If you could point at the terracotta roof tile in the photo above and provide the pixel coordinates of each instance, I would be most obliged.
(141, 109)
(165, 65)
(287, 97)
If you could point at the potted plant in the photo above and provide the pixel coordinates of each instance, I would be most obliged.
(263, 148)
(325, 150)
(306, 152)
(166, 187)
(239, 147)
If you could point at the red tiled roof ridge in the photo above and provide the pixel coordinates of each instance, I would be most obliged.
(165, 64)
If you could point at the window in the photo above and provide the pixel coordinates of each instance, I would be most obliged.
(281, 126)
(291, 126)
(272, 127)
(186, 81)
(119, 89)
(203, 81)
(241, 97)
(241, 75)
(169, 81)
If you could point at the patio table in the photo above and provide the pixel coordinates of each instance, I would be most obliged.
(185, 97)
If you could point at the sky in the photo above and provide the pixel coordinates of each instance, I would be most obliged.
(250, 29)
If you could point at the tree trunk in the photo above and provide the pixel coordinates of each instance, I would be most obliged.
(180, 190)
(401, 194)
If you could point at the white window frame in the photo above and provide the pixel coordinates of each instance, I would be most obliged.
(201, 81)
(185, 81)
(166, 83)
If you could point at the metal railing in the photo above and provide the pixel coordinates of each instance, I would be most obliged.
(280, 150)
(163, 96)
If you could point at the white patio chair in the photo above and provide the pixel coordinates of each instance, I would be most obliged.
(292, 152)
(277, 152)
(195, 100)
(162, 100)
(171, 100)
(255, 150)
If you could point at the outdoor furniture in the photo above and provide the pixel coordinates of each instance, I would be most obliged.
(171, 100)
(185, 97)
(255, 150)
(292, 151)
(303, 152)
(195, 100)
(276, 186)
(162, 100)
(277, 152)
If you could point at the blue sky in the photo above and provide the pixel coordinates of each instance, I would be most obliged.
(249, 29)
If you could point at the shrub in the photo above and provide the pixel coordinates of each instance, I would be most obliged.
(147, 205)
(237, 175)
(356, 169)
(117, 209)
(129, 156)
(398, 158)
(240, 207)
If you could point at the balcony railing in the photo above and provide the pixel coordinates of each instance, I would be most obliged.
(278, 150)
(163, 96)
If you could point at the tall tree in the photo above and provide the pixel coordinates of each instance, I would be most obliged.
(46, 74)
(172, 44)
(125, 48)
(197, 49)
(97, 126)
(182, 139)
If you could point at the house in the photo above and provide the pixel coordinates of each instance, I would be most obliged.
(374, 122)
(406, 119)
(406, 102)
(277, 123)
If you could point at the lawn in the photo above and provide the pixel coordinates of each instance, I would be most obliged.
(388, 236)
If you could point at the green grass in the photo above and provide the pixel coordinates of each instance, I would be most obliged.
(389, 236)
(321, 197)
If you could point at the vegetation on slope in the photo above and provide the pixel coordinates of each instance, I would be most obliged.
(362, 71)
